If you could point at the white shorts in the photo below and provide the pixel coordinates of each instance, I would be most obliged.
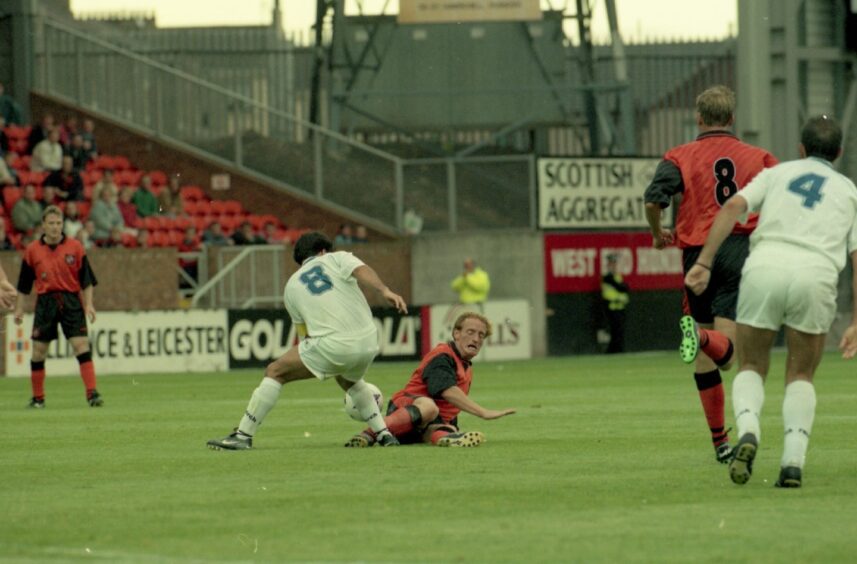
(346, 356)
(796, 289)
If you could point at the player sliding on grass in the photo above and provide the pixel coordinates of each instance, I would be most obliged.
(807, 221)
(427, 409)
(706, 173)
(339, 337)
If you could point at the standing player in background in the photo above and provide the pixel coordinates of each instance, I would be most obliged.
(707, 172)
(427, 409)
(58, 267)
(339, 337)
(807, 223)
(615, 295)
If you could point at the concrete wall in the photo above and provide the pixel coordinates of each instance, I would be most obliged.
(514, 260)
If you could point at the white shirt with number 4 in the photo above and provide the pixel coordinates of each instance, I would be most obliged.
(805, 203)
(324, 296)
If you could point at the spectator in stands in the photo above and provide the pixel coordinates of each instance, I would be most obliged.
(9, 159)
(5, 243)
(40, 132)
(68, 130)
(4, 140)
(127, 207)
(115, 239)
(176, 210)
(245, 235)
(8, 176)
(142, 240)
(67, 181)
(88, 135)
(345, 235)
(105, 182)
(214, 236)
(106, 215)
(85, 235)
(272, 234)
(473, 284)
(171, 194)
(27, 211)
(79, 154)
(71, 222)
(144, 199)
(50, 196)
(47, 155)
(412, 222)
(360, 235)
(189, 244)
(9, 108)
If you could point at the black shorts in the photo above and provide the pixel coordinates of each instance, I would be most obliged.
(64, 308)
(414, 436)
(720, 299)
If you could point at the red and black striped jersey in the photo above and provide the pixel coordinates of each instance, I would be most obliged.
(55, 268)
(441, 369)
(710, 170)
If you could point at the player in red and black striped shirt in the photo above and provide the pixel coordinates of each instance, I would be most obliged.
(705, 173)
(427, 409)
(58, 268)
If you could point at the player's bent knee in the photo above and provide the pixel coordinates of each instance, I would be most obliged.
(428, 409)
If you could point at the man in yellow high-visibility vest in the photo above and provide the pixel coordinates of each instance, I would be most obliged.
(615, 294)
(473, 284)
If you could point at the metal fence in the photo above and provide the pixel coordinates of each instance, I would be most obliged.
(297, 155)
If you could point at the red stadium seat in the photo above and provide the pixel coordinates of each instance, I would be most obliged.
(18, 132)
(10, 196)
(128, 177)
(102, 162)
(201, 222)
(23, 162)
(182, 223)
(83, 209)
(91, 177)
(158, 177)
(159, 239)
(153, 223)
(27, 177)
(121, 162)
(218, 207)
(233, 207)
(18, 145)
(193, 193)
(128, 240)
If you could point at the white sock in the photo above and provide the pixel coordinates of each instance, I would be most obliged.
(264, 398)
(364, 401)
(748, 396)
(798, 413)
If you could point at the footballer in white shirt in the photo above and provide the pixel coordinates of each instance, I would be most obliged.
(338, 336)
(807, 228)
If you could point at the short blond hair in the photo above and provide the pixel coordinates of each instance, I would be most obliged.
(716, 105)
(52, 210)
(459, 322)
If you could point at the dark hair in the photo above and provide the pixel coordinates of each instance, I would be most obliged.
(310, 244)
(822, 137)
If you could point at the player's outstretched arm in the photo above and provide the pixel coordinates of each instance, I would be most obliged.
(700, 273)
(459, 399)
(848, 343)
(368, 278)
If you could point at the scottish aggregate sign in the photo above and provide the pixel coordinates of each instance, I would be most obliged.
(597, 192)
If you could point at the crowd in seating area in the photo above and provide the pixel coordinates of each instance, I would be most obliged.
(108, 202)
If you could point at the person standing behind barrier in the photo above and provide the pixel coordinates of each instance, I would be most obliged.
(473, 284)
(615, 294)
(707, 172)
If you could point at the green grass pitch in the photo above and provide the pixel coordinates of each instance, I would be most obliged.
(607, 460)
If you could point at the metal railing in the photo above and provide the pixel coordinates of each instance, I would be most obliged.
(347, 176)
(245, 277)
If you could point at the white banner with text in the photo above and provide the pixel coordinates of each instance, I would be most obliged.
(131, 343)
(510, 321)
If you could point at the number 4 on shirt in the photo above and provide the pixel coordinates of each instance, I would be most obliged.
(808, 186)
